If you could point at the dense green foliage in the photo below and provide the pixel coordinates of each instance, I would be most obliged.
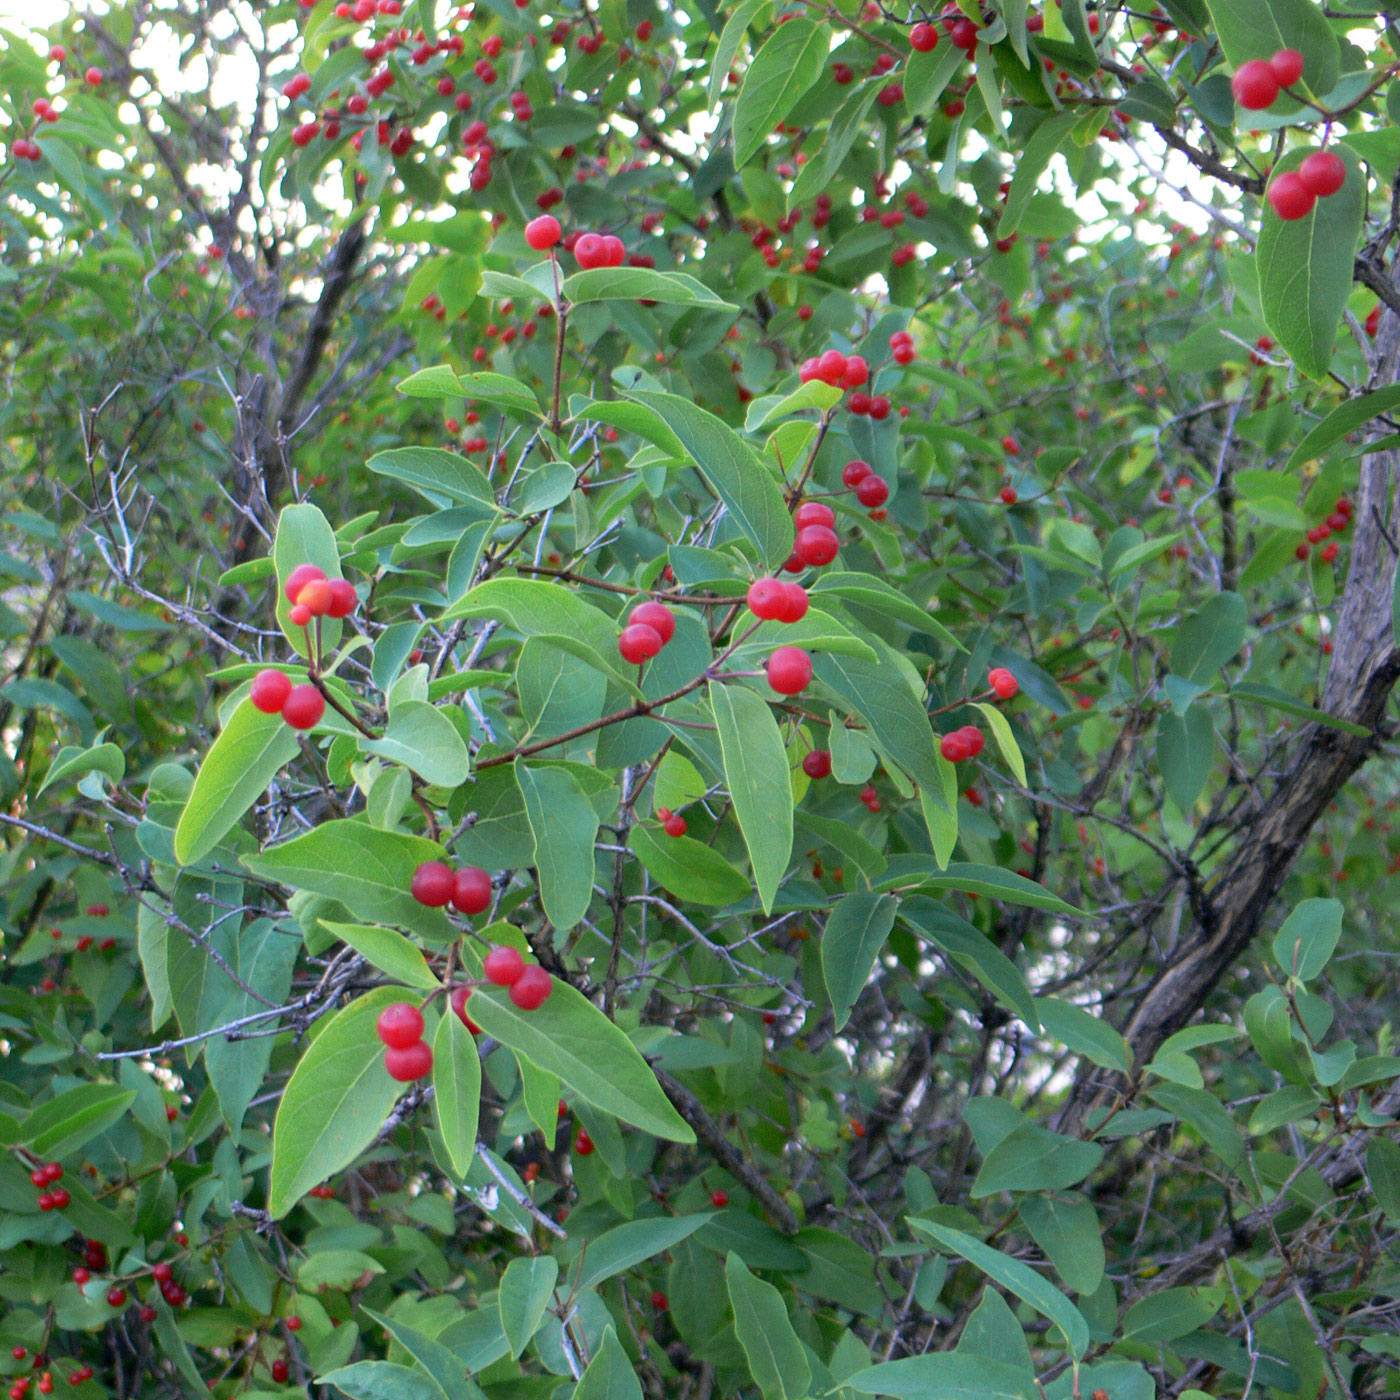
(1064, 1068)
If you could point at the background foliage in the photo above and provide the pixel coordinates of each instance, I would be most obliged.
(1064, 1071)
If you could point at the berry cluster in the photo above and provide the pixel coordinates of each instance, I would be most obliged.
(672, 823)
(436, 884)
(1293, 193)
(649, 627)
(598, 250)
(1335, 523)
(44, 1176)
(407, 1056)
(313, 595)
(1002, 682)
(274, 693)
(528, 984)
(776, 600)
(1257, 84)
(834, 368)
(870, 798)
(870, 489)
(961, 744)
(902, 348)
(816, 544)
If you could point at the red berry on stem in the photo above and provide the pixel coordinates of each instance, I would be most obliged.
(954, 747)
(818, 544)
(344, 599)
(269, 691)
(1255, 85)
(813, 513)
(432, 884)
(280, 1371)
(795, 603)
(471, 889)
(300, 615)
(789, 670)
(583, 1144)
(304, 707)
(923, 38)
(1008, 495)
(413, 1062)
(299, 578)
(674, 825)
(766, 599)
(817, 764)
(116, 1297)
(1289, 196)
(400, 1025)
(460, 996)
(1323, 173)
(543, 233)
(1003, 682)
(719, 1199)
(316, 596)
(872, 491)
(853, 473)
(1287, 66)
(638, 642)
(532, 988)
(503, 965)
(660, 1301)
(657, 616)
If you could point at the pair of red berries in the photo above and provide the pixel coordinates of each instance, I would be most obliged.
(543, 233)
(902, 345)
(775, 600)
(671, 822)
(274, 693)
(870, 797)
(1002, 682)
(817, 764)
(871, 490)
(816, 544)
(876, 406)
(407, 1056)
(789, 670)
(834, 368)
(312, 595)
(1257, 84)
(649, 627)
(1293, 194)
(436, 885)
(599, 250)
(961, 744)
(528, 984)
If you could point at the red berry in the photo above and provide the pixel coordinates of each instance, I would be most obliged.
(675, 825)
(316, 596)
(543, 233)
(344, 599)
(1008, 495)
(719, 1199)
(162, 1272)
(766, 599)
(923, 38)
(471, 889)
(116, 1297)
(857, 371)
(1289, 197)
(660, 1301)
(789, 670)
(269, 691)
(412, 1062)
(60, 1198)
(93, 77)
(300, 615)
(954, 747)
(813, 513)
(657, 616)
(590, 251)
(972, 736)
(279, 1371)
(1323, 173)
(1003, 682)
(299, 578)
(294, 1324)
(532, 988)
(1287, 66)
(872, 490)
(583, 1144)
(879, 407)
(1255, 85)
(817, 764)
(460, 996)
(503, 965)
(304, 707)
(638, 642)
(400, 1025)
(1010, 445)
(433, 884)
(853, 473)
(80, 1277)
(817, 544)
(794, 603)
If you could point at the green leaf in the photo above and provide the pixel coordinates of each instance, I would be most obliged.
(75, 762)
(436, 472)
(1308, 938)
(73, 1118)
(368, 870)
(642, 283)
(565, 825)
(1031, 1158)
(1383, 1173)
(1069, 1234)
(534, 608)
(250, 752)
(1172, 1313)
(945, 1375)
(1019, 1278)
(526, 1289)
(990, 881)
(1344, 420)
(855, 932)
(335, 1268)
(440, 1364)
(1259, 28)
(425, 741)
(760, 785)
(335, 1102)
(733, 470)
(842, 132)
(926, 76)
(787, 65)
(389, 951)
(1037, 153)
(1279, 700)
(1006, 741)
(1209, 638)
(570, 1037)
(625, 1246)
(1305, 265)
(456, 1089)
(1085, 1034)
(1185, 752)
(777, 1359)
(304, 536)
(382, 1380)
(730, 39)
(609, 1374)
(1205, 1113)
(689, 869)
